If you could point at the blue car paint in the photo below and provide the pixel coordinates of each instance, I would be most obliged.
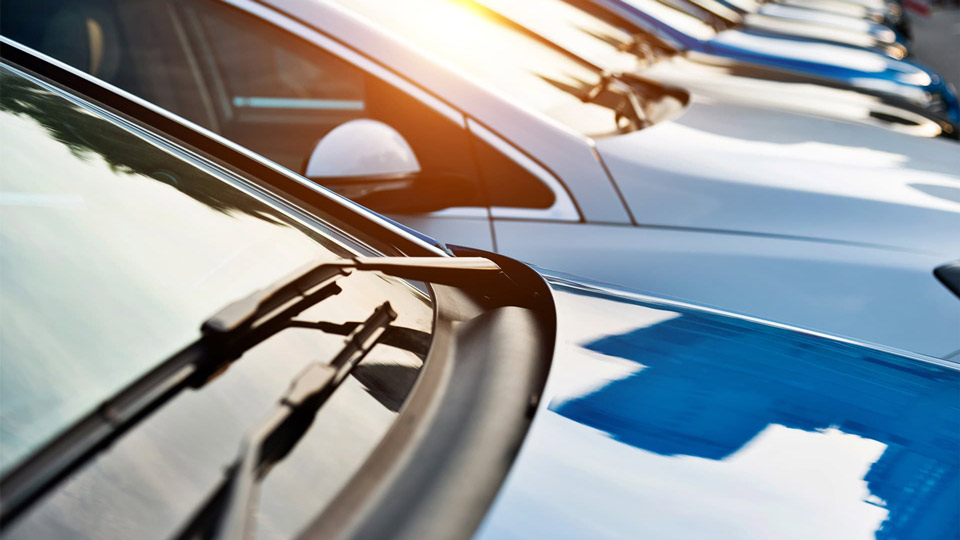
(891, 79)
(666, 421)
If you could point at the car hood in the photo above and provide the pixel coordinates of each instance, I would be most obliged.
(736, 168)
(660, 420)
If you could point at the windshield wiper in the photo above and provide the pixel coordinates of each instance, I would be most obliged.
(235, 329)
(634, 112)
(226, 513)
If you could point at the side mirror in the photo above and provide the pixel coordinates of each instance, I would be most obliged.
(369, 162)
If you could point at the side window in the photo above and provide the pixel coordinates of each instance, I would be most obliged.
(279, 95)
(264, 89)
(507, 183)
(270, 92)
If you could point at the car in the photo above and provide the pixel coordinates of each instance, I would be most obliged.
(198, 343)
(772, 16)
(830, 226)
(613, 45)
(868, 71)
(877, 38)
(888, 12)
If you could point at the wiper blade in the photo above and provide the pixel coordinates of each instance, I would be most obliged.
(227, 512)
(225, 337)
(634, 112)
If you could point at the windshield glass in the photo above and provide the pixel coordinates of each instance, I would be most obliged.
(573, 29)
(114, 248)
(497, 55)
(673, 17)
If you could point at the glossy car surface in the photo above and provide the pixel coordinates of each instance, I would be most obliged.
(724, 212)
(120, 241)
(657, 419)
(682, 423)
(866, 70)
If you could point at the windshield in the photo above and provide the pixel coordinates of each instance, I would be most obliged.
(497, 55)
(573, 29)
(114, 248)
(673, 17)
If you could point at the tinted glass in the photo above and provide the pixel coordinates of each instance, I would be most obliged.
(114, 247)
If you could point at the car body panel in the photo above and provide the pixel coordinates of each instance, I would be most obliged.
(808, 178)
(661, 421)
(853, 291)
(736, 84)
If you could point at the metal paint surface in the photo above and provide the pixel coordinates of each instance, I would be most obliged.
(664, 421)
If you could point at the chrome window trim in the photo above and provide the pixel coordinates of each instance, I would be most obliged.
(563, 208)
(348, 55)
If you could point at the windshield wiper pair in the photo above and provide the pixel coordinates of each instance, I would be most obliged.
(634, 112)
(235, 329)
(226, 514)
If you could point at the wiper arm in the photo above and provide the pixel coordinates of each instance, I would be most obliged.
(634, 112)
(639, 47)
(225, 337)
(226, 513)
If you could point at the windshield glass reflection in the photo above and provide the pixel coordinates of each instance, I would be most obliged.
(500, 56)
(579, 32)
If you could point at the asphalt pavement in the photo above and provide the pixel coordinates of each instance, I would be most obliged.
(936, 42)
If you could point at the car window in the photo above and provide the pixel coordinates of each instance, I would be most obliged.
(270, 92)
(573, 29)
(258, 86)
(114, 246)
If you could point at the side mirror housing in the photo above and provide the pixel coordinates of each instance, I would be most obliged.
(369, 162)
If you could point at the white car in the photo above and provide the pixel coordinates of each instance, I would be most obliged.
(474, 131)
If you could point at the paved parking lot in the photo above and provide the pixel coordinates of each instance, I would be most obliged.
(936, 42)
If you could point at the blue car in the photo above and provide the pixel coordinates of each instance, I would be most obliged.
(200, 344)
(900, 81)
(795, 22)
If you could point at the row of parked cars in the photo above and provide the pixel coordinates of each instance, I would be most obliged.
(750, 325)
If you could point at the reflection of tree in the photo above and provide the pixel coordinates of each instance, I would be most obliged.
(87, 135)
